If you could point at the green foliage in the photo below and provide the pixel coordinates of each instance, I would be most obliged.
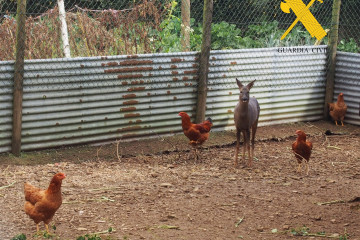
(348, 46)
(19, 237)
(89, 237)
(302, 231)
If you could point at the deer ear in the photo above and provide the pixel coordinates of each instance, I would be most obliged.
(239, 83)
(251, 84)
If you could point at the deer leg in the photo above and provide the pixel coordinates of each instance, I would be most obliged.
(248, 147)
(244, 146)
(253, 133)
(237, 146)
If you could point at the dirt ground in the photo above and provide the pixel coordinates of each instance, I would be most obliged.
(151, 189)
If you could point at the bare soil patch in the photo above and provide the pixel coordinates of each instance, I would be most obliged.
(154, 191)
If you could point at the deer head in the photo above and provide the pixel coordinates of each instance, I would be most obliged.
(244, 91)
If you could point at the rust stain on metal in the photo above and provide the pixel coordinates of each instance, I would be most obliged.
(138, 121)
(230, 93)
(149, 94)
(168, 92)
(185, 78)
(57, 124)
(132, 95)
(131, 102)
(129, 76)
(160, 67)
(174, 72)
(137, 82)
(175, 79)
(128, 128)
(173, 66)
(174, 60)
(132, 56)
(229, 111)
(131, 115)
(127, 109)
(130, 122)
(80, 100)
(124, 83)
(190, 72)
(136, 89)
(128, 69)
(106, 118)
(111, 64)
(175, 98)
(213, 58)
(82, 65)
(195, 65)
(233, 63)
(224, 75)
(135, 62)
(186, 84)
(104, 58)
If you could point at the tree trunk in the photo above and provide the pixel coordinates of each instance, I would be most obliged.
(333, 40)
(18, 77)
(185, 25)
(64, 30)
(204, 62)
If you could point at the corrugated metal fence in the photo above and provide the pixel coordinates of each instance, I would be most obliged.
(347, 81)
(81, 100)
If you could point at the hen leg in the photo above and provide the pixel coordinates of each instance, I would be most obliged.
(307, 168)
(336, 122)
(47, 228)
(299, 168)
(342, 124)
(37, 227)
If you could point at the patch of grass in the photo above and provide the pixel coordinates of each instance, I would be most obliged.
(19, 237)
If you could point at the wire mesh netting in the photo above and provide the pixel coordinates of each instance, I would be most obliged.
(98, 28)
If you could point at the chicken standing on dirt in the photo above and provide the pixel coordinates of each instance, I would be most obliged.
(197, 133)
(41, 205)
(337, 110)
(302, 149)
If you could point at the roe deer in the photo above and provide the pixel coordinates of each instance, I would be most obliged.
(246, 116)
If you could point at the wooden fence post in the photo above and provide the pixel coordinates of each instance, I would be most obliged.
(333, 40)
(18, 76)
(185, 25)
(204, 61)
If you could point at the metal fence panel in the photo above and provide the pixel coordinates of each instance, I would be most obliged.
(347, 81)
(290, 86)
(94, 99)
(6, 90)
(81, 100)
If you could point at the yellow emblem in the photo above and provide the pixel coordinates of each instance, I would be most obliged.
(304, 15)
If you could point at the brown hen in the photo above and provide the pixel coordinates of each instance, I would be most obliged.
(302, 150)
(196, 133)
(337, 110)
(41, 205)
